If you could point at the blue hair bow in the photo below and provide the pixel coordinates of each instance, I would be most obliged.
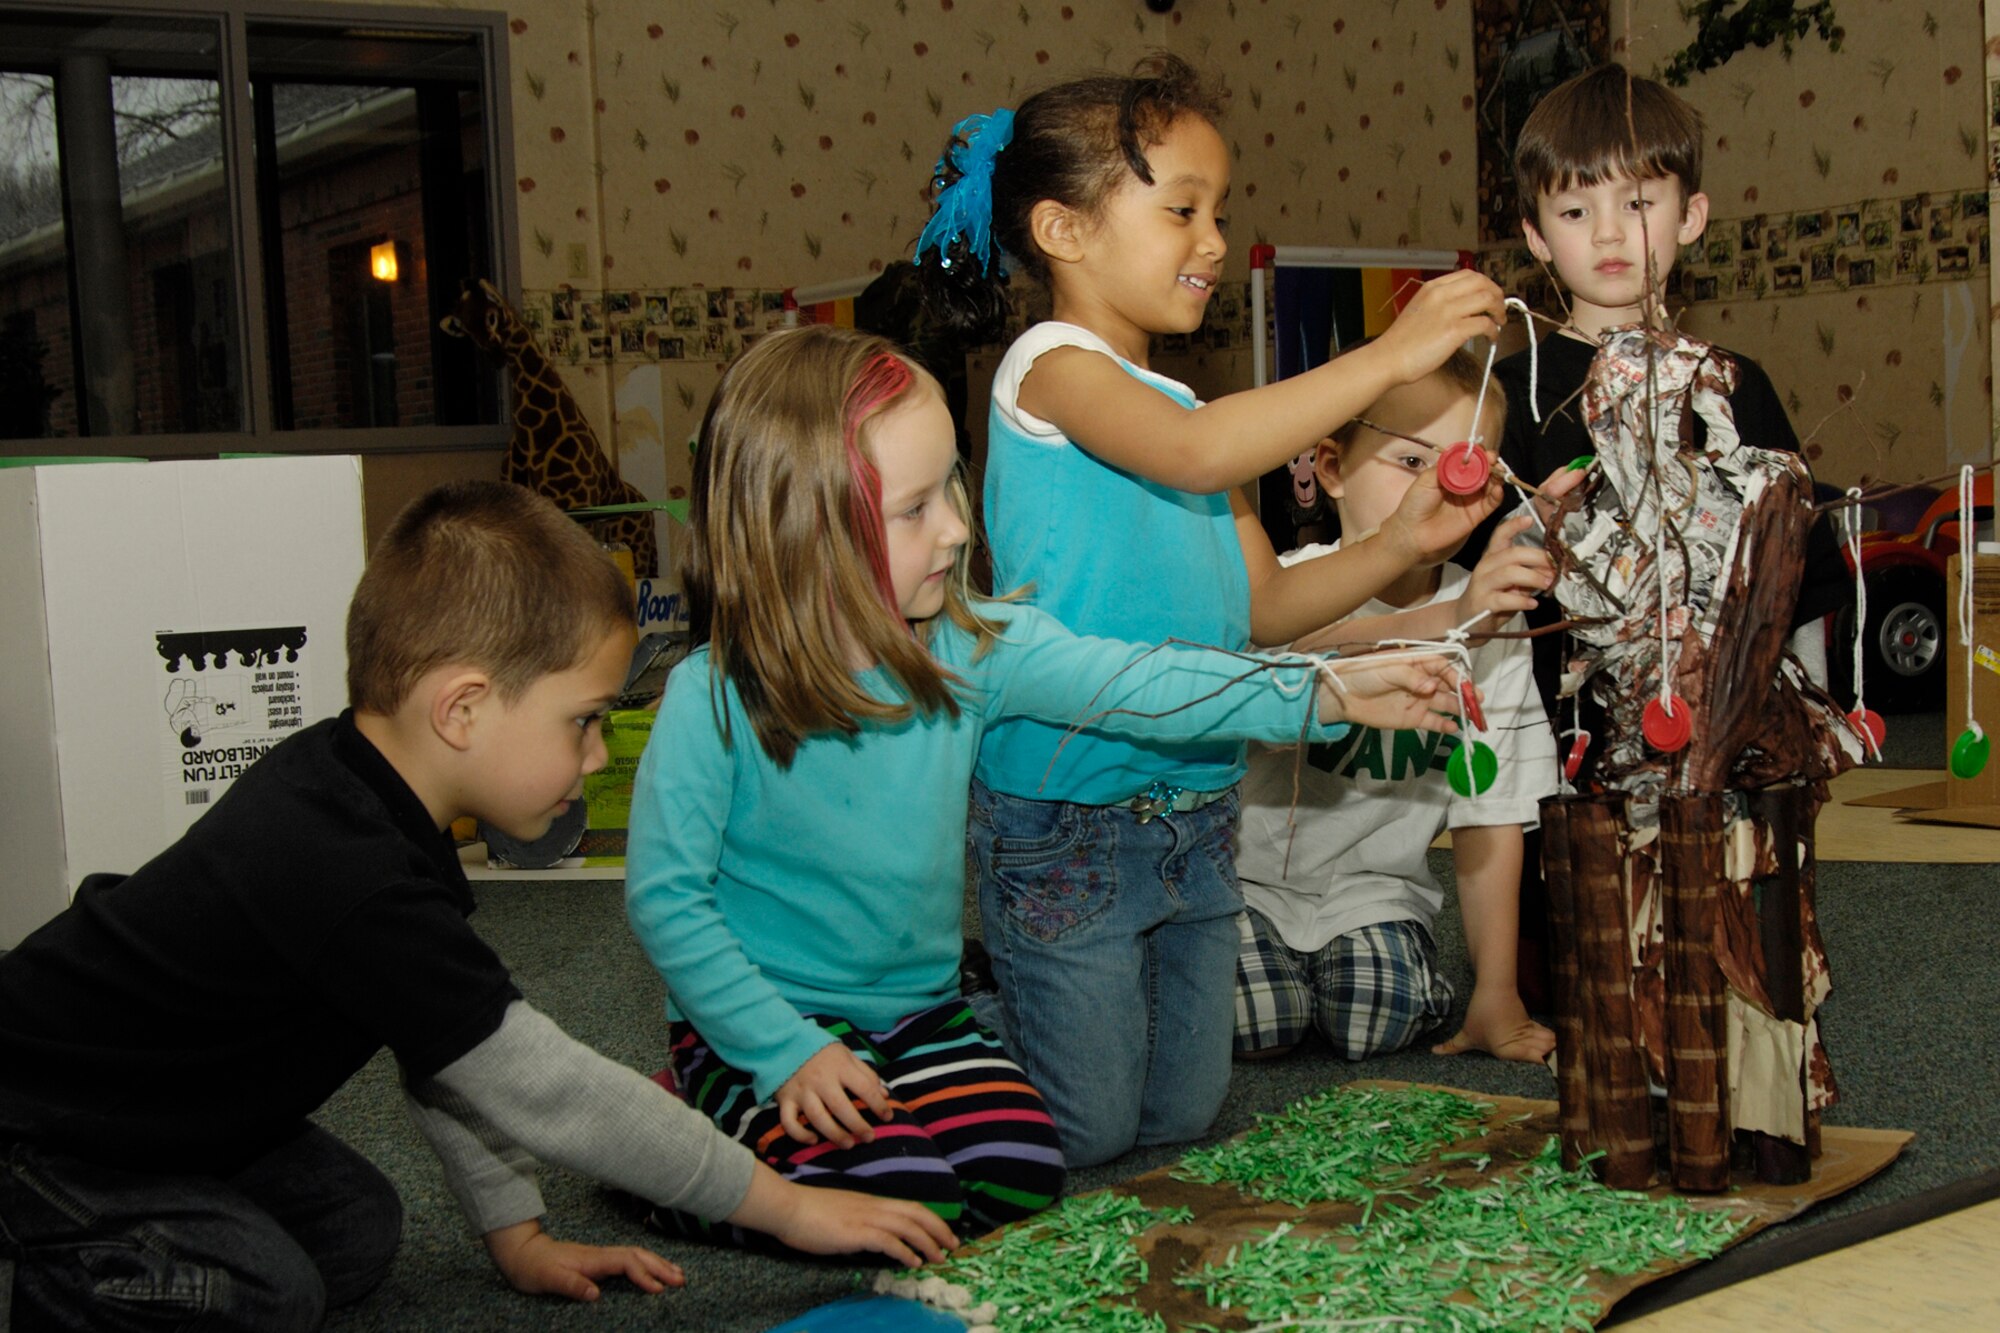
(965, 207)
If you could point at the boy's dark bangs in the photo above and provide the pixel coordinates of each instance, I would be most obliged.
(1655, 165)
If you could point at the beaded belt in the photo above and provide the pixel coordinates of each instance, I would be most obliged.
(1164, 798)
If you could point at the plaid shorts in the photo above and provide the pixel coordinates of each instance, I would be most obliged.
(1369, 992)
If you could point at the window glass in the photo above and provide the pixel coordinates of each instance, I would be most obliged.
(143, 211)
(124, 113)
(37, 381)
(187, 343)
(371, 185)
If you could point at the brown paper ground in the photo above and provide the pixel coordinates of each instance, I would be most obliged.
(1223, 1217)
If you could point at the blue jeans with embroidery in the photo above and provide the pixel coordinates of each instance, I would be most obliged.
(1114, 948)
(309, 1226)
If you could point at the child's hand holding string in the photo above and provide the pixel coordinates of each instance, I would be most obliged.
(819, 1098)
(1398, 694)
(1507, 578)
(1443, 314)
(1548, 497)
(1431, 523)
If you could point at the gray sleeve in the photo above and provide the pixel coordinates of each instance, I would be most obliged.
(492, 1178)
(530, 1087)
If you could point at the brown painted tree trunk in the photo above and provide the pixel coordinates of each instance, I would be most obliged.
(1572, 1077)
(1781, 928)
(1618, 1117)
(1691, 882)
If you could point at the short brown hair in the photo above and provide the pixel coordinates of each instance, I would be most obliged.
(1581, 134)
(481, 573)
(780, 578)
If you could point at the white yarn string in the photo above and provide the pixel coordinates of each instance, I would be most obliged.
(1479, 403)
(1403, 650)
(1852, 518)
(1534, 355)
(1575, 731)
(1451, 647)
(1462, 667)
(1507, 474)
(1965, 549)
(1660, 568)
(1463, 632)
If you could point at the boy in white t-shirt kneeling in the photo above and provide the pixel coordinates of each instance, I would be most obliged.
(1341, 901)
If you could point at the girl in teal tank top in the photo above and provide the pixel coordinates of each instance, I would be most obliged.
(1107, 884)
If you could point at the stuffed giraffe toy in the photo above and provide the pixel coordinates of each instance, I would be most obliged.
(553, 450)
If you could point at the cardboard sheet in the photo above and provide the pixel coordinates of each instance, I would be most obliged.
(1937, 1274)
(1965, 802)
(1924, 794)
(166, 624)
(1895, 815)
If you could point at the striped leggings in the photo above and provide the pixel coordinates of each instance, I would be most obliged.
(968, 1137)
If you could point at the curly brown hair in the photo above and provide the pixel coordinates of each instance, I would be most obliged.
(1075, 143)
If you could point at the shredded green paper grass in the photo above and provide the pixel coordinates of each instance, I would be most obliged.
(1517, 1253)
(1064, 1271)
(1346, 1146)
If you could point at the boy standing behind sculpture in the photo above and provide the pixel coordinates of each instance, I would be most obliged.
(1680, 873)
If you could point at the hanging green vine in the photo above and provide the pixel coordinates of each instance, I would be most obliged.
(1720, 35)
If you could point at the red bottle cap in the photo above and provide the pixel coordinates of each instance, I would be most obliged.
(1463, 469)
(1469, 696)
(1869, 723)
(1668, 729)
(1573, 761)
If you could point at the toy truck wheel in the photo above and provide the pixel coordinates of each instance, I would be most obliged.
(1904, 641)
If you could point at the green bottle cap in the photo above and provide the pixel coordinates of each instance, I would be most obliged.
(1471, 777)
(1968, 753)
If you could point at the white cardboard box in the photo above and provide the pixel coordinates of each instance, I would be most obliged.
(164, 623)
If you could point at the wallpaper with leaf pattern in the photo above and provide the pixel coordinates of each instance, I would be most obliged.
(1882, 147)
(667, 151)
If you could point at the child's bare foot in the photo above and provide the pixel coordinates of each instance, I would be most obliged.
(1500, 1026)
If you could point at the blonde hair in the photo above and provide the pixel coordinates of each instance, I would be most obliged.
(484, 574)
(786, 573)
(1461, 370)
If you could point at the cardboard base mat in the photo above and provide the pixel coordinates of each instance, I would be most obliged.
(1223, 1218)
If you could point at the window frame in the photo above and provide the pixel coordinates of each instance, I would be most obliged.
(233, 19)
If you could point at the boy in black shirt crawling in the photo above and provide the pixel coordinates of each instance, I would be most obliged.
(163, 1040)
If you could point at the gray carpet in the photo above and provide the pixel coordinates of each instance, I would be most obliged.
(1915, 740)
(1913, 950)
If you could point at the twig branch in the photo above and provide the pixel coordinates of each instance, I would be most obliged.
(1870, 497)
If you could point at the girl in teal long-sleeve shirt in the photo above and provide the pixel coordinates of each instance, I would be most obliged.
(796, 867)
